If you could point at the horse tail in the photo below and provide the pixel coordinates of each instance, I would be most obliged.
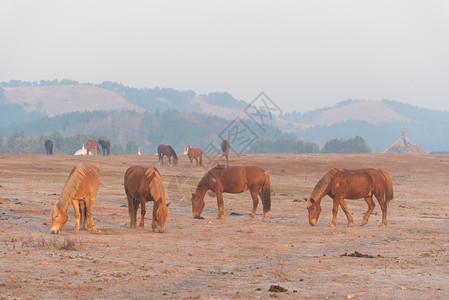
(201, 159)
(266, 193)
(389, 195)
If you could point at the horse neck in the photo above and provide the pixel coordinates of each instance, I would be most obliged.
(202, 187)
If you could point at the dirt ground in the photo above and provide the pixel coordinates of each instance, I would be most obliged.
(235, 258)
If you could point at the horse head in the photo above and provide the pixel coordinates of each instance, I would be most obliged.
(161, 216)
(314, 209)
(58, 218)
(197, 205)
(186, 150)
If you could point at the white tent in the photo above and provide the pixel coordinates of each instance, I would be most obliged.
(81, 151)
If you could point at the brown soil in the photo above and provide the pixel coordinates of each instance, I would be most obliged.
(234, 258)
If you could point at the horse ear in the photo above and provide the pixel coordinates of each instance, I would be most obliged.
(168, 204)
(52, 203)
(305, 199)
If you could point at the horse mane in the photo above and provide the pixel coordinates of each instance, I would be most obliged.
(156, 186)
(322, 185)
(71, 186)
(173, 153)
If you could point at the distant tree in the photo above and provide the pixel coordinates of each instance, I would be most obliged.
(117, 149)
(132, 148)
(353, 145)
(283, 146)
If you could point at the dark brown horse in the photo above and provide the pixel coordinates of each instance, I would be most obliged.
(351, 184)
(92, 147)
(169, 152)
(80, 189)
(143, 185)
(105, 146)
(48, 147)
(194, 154)
(224, 179)
(225, 147)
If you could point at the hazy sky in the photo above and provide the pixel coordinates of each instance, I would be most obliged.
(302, 54)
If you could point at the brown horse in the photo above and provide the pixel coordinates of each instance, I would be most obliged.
(80, 188)
(224, 179)
(48, 147)
(143, 185)
(351, 184)
(105, 146)
(194, 153)
(92, 147)
(225, 147)
(169, 152)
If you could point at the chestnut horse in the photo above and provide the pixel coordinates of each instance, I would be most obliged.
(48, 147)
(225, 147)
(143, 185)
(194, 153)
(91, 146)
(105, 146)
(224, 179)
(351, 184)
(80, 189)
(169, 152)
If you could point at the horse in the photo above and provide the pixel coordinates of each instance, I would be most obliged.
(80, 188)
(48, 147)
(194, 153)
(106, 146)
(91, 146)
(223, 179)
(225, 147)
(351, 184)
(143, 185)
(169, 152)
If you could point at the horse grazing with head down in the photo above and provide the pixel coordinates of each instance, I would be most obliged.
(225, 147)
(224, 179)
(80, 189)
(92, 147)
(105, 146)
(351, 184)
(48, 147)
(143, 185)
(194, 153)
(168, 151)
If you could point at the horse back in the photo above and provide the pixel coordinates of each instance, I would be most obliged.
(90, 184)
(238, 179)
(137, 183)
(351, 184)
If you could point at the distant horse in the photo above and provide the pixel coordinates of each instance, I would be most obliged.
(169, 152)
(194, 153)
(48, 147)
(224, 179)
(143, 185)
(225, 147)
(91, 147)
(351, 184)
(106, 146)
(80, 189)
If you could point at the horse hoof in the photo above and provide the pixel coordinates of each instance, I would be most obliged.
(141, 228)
(382, 225)
(93, 230)
(332, 225)
(351, 225)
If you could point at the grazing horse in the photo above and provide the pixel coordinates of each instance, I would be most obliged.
(48, 147)
(225, 147)
(80, 189)
(169, 152)
(105, 146)
(91, 147)
(143, 185)
(224, 179)
(351, 184)
(194, 153)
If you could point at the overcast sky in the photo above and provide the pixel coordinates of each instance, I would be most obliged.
(303, 54)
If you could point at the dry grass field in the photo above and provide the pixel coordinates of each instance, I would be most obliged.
(234, 258)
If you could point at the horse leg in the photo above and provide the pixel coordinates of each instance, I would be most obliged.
(347, 213)
(255, 203)
(335, 211)
(371, 206)
(191, 162)
(83, 214)
(132, 214)
(383, 205)
(142, 213)
(220, 202)
(90, 220)
(76, 207)
(153, 222)
(159, 159)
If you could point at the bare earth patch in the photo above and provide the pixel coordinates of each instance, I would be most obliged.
(203, 259)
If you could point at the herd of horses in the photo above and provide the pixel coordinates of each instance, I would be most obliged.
(144, 184)
(92, 147)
